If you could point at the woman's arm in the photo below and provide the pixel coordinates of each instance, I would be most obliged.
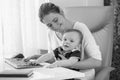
(91, 49)
(87, 64)
(65, 63)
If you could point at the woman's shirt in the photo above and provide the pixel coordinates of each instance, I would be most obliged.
(89, 46)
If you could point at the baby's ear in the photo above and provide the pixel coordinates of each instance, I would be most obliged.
(80, 47)
(77, 48)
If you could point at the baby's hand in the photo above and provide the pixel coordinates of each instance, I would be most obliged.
(53, 65)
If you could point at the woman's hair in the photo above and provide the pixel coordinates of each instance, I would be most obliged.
(75, 30)
(47, 8)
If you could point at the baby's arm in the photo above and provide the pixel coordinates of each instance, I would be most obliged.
(45, 57)
(65, 63)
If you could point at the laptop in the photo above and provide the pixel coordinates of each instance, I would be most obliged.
(19, 63)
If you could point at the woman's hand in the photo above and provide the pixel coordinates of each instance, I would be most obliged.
(33, 63)
(27, 59)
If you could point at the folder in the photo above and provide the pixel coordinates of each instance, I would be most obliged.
(16, 73)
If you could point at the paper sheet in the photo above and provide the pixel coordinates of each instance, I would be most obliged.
(56, 73)
(41, 76)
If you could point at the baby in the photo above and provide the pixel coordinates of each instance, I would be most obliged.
(68, 53)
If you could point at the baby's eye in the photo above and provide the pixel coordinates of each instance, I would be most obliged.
(55, 20)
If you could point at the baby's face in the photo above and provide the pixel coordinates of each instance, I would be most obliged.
(70, 41)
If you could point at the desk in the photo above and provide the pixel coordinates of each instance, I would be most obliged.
(58, 73)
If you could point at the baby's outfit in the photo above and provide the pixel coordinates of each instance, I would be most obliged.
(60, 54)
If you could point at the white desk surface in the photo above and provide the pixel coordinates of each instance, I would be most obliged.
(58, 73)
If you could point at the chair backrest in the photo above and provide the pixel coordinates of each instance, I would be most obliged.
(99, 20)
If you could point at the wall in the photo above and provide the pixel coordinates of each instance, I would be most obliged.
(66, 3)
(72, 3)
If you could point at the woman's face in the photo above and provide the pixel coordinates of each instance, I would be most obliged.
(55, 22)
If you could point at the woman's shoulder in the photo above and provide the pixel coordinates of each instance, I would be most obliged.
(79, 25)
(50, 32)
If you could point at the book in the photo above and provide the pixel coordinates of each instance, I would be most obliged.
(16, 73)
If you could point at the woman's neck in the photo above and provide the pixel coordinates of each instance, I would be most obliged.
(70, 24)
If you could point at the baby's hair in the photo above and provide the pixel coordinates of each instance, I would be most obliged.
(75, 30)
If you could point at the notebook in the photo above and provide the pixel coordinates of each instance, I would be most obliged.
(16, 73)
(21, 64)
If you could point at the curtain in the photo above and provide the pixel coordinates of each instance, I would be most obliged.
(20, 28)
(1, 41)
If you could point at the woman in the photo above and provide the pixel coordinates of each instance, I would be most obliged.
(54, 18)
(51, 15)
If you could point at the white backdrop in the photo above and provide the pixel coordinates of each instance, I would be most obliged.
(71, 3)
(20, 28)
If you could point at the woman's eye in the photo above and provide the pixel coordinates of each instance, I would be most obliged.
(49, 25)
(65, 39)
